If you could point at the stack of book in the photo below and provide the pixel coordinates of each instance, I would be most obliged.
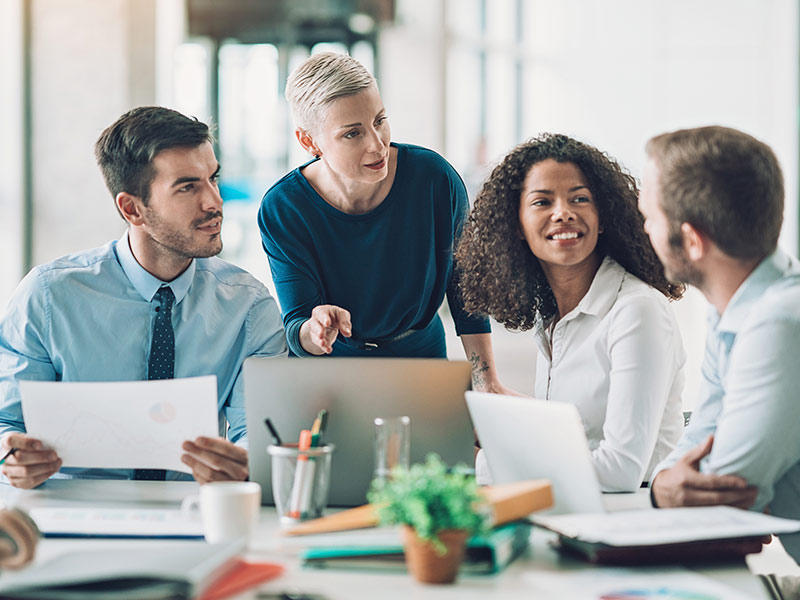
(485, 554)
(382, 549)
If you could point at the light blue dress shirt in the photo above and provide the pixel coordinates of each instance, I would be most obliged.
(750, 395)
(89, 317)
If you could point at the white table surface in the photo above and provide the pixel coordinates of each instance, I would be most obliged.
(517, 581)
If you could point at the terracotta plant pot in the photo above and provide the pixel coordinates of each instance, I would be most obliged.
(425, 564)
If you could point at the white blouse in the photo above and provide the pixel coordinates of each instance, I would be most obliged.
(618, 357)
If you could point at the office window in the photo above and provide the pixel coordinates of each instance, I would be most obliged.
(250, 116)
(192, 89)
(464, 135)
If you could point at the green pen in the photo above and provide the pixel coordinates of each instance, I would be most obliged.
(318, 428)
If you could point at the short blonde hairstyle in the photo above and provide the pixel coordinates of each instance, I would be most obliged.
(320, 80)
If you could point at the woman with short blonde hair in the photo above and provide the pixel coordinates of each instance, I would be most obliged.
(360, 238)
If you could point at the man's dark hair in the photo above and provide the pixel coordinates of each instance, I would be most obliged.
(125, 150)
(724, 183)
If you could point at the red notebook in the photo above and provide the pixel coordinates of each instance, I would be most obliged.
(241, 576)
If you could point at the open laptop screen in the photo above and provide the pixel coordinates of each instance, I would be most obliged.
(524, 438)
(291, 391)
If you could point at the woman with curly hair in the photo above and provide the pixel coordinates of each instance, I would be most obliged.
(555, 243)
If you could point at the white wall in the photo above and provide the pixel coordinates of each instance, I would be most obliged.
(412, 72)
(612, 73)
(617, 72)
(92, 61)
(11, 147)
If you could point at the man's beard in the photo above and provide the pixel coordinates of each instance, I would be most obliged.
(677, 266)
(182, 243)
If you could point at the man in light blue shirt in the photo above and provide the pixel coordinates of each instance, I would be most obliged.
(90, 316)
(713, 204)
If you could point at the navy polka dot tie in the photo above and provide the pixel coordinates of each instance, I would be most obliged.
(162, 348)
(162, 357)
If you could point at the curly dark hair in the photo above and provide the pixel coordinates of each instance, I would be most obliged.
(499, 275)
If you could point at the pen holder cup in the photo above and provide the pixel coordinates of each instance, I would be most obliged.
(300, 481)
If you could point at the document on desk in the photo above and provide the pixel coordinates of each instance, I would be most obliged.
(649, 527)
(667, 583)
(116, 522)
(177, 570)
(121, 425)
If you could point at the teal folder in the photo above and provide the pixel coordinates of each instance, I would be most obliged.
(485, 554)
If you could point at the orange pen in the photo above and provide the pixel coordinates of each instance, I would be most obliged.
(300, 476)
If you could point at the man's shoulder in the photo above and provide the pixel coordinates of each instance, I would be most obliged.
(227, 274)
(76, 261)
(780, 301)
(66, 280)
(90, 265)
(773, 322)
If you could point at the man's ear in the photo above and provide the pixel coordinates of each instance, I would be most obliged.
(131, 208)
(307, 142)
(695, 242)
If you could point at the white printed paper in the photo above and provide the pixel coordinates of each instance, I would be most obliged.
(666, 525)
(635, 584)
(111, 521)
(121, 425)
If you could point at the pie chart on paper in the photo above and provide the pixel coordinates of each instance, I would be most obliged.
(162, 412)
(658, 594)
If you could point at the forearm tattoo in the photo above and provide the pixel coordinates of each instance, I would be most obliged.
(479, 368)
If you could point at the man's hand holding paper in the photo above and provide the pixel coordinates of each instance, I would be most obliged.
(215, 459)
(30, 464)
(114, 425)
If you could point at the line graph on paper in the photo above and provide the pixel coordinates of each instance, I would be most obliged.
(123, 425)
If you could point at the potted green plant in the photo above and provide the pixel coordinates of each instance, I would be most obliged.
(438, 509)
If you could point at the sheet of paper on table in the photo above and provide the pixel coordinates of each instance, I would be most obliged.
(121, 425)
(178, 570)
(117, 522)
(666, 526)
(639, 583)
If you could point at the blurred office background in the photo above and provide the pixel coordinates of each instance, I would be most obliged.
(468, 78)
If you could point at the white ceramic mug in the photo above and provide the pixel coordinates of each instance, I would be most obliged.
(229, 509)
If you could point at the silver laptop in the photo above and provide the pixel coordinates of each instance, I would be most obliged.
(291, 391)
(525, 438)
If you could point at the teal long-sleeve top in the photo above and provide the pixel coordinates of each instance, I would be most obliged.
(390, 267)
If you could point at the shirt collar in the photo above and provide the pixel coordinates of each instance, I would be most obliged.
(603, 292)
(145, 283)
(764, 275)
